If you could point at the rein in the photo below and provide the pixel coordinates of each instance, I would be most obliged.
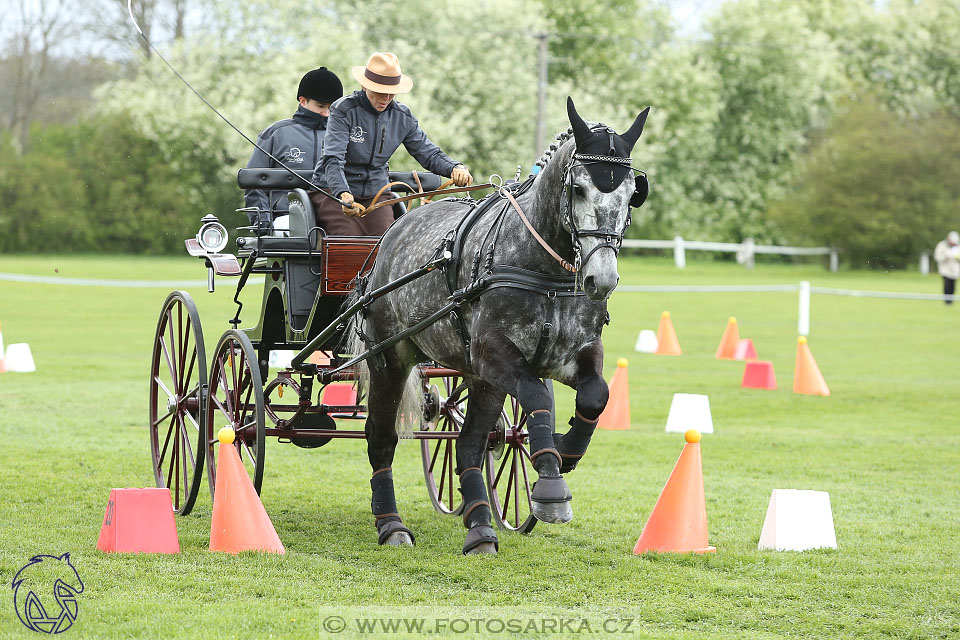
(417, 194)
(543, 243)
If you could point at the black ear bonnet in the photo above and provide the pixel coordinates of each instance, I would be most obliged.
(641, 190)
(593, 145)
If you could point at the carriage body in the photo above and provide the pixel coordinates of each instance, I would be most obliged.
(307, 275)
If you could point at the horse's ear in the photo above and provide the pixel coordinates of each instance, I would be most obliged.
(633, 133)
(580, 129)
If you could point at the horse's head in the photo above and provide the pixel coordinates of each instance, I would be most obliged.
(597, 198)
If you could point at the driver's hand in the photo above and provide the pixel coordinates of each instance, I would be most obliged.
(352, 208)
(461, 176)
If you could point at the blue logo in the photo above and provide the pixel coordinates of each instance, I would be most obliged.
(45, 594)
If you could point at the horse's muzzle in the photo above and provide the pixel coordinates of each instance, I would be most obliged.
(599, 287)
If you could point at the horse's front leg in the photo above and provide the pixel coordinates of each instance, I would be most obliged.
(383, 404)
(485, 406)
(592, 394)
(501, 363)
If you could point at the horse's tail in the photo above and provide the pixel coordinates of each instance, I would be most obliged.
(410, 411)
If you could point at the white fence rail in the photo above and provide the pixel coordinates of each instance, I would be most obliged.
(745, 250)
(804, 289)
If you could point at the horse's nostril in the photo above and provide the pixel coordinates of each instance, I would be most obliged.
(590, 284)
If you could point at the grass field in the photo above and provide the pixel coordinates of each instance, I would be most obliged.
(885, 445)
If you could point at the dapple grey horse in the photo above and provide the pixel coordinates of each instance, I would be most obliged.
(533, 308)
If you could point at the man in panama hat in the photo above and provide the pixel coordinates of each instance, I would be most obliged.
(296, 141)
(364, 130)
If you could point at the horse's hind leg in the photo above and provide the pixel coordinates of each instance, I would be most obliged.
(383, 405)
(483, 410)
(592, 394)
(498, 359)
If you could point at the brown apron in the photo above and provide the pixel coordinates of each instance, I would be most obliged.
(334, 222)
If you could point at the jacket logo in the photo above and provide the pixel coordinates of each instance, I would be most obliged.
(294, 155)
(356, 135)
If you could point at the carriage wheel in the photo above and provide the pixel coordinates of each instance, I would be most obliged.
(439, 459)
(236, 400)
(178, 378)
(509, 472)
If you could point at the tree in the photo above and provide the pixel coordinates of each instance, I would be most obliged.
(880, 187)
(33, 37)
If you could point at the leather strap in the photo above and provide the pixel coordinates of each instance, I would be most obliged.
(419, 194)
(543, 243)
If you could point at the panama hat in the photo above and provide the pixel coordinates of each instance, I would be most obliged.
(382, 74)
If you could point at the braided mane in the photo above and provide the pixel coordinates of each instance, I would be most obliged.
(562, 137)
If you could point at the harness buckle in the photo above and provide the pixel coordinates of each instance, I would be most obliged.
(551, 293)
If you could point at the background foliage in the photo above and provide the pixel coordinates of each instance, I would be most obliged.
(745, 111)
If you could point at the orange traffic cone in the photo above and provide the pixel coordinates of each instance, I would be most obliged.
(3, 364)
(678, 521)
(616, 415)
(730, 341)
(240, 523)
(807, 378)
(667, 343)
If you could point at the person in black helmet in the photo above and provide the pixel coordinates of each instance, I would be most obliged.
(296, 141)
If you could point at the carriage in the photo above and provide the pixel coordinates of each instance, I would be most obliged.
(248, 385)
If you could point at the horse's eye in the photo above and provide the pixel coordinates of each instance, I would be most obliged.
(577, 189)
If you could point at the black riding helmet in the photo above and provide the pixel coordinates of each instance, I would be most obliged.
(321, 85)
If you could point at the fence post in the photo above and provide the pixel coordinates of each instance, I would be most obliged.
(925, 263)
(746, 253)
(803, 316)
(834, 263)
(679, 253)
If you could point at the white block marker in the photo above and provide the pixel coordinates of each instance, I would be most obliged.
(19, 358)
(646, 342)
(689, 411)
(798, 520)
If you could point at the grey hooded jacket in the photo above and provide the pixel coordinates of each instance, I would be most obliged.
(298, 143)
(360, 141)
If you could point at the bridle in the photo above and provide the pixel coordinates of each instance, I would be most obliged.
(610, 238)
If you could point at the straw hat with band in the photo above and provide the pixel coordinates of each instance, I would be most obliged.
(382, 74)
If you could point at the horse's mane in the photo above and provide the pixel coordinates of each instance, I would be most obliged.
(562, 137)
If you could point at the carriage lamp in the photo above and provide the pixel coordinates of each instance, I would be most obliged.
(212, 235)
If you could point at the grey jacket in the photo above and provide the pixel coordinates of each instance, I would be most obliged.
(298, 143)
(360, 141)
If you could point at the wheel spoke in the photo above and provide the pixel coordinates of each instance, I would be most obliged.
(503, 465)
(219, 405)
(225, 386)
(166, 355)
(172, 353)
(166, 443)
(516, 492)
(526, 478)
(443, 469)
(186, 441)
(161, 418)
(163, 386)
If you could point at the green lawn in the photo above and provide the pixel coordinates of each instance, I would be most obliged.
(885, 445)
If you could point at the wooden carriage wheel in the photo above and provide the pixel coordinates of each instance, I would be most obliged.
(439, 459)
(509, 471)
(235, 400)
(178, 378)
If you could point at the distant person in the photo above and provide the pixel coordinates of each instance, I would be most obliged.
(947, 255)
(296, 141)
(364, 130)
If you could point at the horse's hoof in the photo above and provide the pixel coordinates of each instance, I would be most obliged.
(553, 512)
(484, 548)
(399, 539)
